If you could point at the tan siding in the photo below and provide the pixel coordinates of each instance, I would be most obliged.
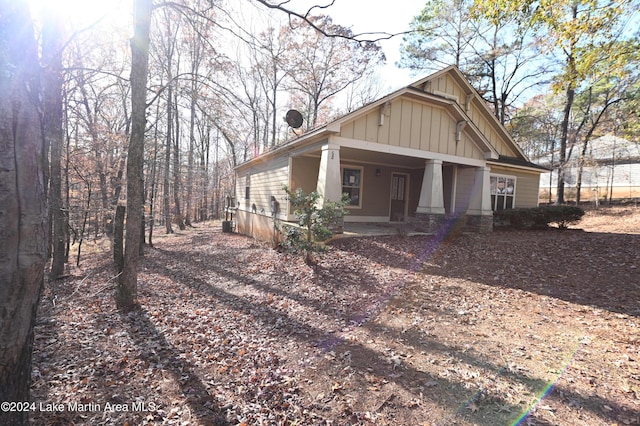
(372, 119)
(405, 124)
(464, 185)
(436, 122)
(360, 128)
(346, 130)
(304, 173)
(383, 131)
(489, 132)
(395, 123)
(527, 185)
(425, 130)
(447, 140)
(266, 180)
(416, 126)
(467, 148)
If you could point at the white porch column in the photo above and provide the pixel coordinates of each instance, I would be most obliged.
(431, 194)
(480, 201)
(329, 180)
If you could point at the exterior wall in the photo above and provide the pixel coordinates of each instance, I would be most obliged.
(376, 191)
(304, 173)
(264, 180)
(489, 131)
(464, 184)
(527, 185)
(412, 124)
(255, 225)
(445, 84)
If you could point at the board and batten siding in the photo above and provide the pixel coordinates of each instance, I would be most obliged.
(412, 124)
(263, 180)
(527, 185)
(446, 86)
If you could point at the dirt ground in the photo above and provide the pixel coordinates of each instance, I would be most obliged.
(513, 327)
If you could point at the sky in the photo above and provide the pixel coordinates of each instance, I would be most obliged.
(391, 16)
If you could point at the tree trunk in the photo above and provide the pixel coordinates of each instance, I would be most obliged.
(176, 168)
(118, 239)
(127, 291)
(23, 210)
(152, 191)
(563, 144)
(167, 167)
(192, 137)
(52, 45)
(84, 221)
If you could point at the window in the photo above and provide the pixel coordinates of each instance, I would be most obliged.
(503, 192)
(352, 185)
(246, 192)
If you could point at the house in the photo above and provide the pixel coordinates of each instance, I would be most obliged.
(422, 153)
(611, 170)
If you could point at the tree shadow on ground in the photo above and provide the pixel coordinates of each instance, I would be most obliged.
(207, 282)
(161, 355)
(593, 269)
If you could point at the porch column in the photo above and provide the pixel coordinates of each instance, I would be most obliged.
(329, 180)
(480, 201)
(431, 195)
(479, 211)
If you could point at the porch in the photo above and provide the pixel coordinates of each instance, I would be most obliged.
(391, 193)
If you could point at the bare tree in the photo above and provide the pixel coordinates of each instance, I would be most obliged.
(127, 291)
(52, 46)
(321, 67)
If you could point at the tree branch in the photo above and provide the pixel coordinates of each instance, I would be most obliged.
(365, 37)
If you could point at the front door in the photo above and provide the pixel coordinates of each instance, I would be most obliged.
(398, 210)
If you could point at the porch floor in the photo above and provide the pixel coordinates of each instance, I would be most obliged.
(370, 229)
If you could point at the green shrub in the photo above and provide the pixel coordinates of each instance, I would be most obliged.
(314, 224)
(539, 217)
(563, 216)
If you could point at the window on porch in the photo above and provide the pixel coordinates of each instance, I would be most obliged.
(352, 185)
(503, 192)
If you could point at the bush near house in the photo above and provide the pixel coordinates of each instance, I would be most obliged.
(314, 224)
(538, 217)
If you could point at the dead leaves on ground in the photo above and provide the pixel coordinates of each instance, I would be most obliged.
(233, 332)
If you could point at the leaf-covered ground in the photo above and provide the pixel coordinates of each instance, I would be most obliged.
(540, 328)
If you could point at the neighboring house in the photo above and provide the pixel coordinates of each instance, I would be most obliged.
(611, 170)
(415, 156)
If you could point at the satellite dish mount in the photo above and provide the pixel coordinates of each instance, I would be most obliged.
(294, 119)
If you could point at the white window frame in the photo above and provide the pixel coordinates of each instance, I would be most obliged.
(495, 195)
(360, 184)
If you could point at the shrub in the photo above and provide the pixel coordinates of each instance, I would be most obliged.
(563, 216)
(314, 224)
(539, 217)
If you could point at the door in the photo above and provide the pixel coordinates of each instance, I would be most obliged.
(398, 209)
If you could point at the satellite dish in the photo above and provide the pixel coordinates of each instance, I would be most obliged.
(294, 118)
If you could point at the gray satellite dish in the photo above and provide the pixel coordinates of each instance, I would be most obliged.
(294, 118)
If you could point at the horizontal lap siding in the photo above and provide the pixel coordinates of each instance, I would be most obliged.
(265, 180)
